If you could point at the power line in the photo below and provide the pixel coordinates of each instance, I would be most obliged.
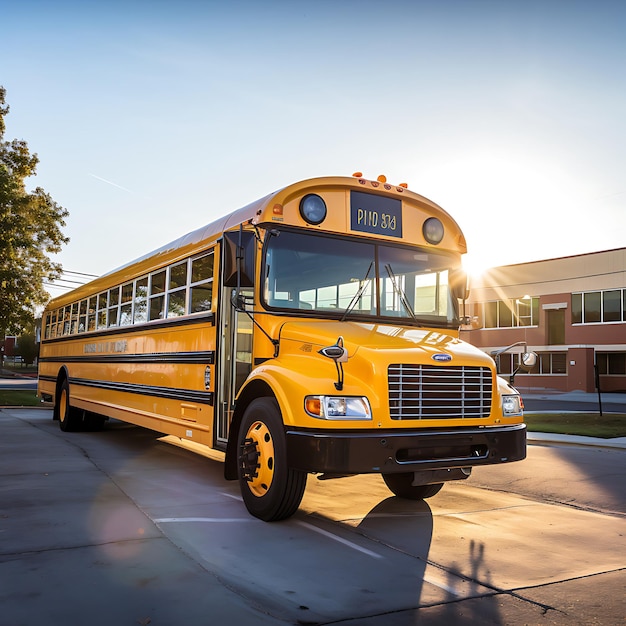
(66, 281)
(63, 283)
(79, 274)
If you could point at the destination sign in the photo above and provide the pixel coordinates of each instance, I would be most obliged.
(370, 213)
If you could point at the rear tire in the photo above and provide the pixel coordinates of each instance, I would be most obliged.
(402, 486)
(70, 418)
(271, 490)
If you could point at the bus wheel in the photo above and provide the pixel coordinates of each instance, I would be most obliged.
(402, 486)
(70, 418)
(271, 490)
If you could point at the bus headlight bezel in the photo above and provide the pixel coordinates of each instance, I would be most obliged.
(338, 407)
(512, 405)
(313, 209)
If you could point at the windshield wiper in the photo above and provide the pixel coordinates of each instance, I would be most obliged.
(401, 294)
(357, 296)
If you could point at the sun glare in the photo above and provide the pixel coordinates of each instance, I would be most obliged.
(474, 265)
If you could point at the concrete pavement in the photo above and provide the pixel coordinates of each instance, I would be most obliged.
(76, 549)
(88, 535)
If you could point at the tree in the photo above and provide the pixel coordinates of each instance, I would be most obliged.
(30, 230)
(27, 347)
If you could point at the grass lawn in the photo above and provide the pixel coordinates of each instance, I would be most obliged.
(585, 424)
(18, 397)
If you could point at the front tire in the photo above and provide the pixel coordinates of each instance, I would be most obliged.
(402, 486)
(271, 490)
(70, 418)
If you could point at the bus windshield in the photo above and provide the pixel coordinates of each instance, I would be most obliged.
(343, 278)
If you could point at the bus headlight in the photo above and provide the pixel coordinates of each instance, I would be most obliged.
(313, 209)
(338, 407)
(512, 405)
(433, 230)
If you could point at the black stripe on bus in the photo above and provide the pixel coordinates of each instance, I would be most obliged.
(171, 393)
(207, 357)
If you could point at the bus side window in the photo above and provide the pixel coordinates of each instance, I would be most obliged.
(140, 310)
(201, 281)
(157, 301)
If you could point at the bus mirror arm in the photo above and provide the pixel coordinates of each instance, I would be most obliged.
(527, 360)
(339, 355)
(238, 301)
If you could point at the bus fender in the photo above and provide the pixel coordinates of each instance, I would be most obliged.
(253, 388)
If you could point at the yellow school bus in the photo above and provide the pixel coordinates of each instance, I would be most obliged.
(314, 331)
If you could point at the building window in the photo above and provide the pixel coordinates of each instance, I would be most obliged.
(547, 363)
(490, 315)
(611, 363)
(612, 306)
(511, 313)
(593, 307)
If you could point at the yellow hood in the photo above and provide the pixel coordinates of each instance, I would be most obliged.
(405, 345)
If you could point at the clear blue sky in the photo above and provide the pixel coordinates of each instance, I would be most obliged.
(153, 118)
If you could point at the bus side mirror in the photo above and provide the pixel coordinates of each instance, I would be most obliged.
(238, 258)
(527, 361)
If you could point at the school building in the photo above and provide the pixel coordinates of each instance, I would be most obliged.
(571, 311)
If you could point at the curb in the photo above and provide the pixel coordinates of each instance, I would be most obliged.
(575, 440)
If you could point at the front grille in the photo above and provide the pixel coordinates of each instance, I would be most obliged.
(439, 392)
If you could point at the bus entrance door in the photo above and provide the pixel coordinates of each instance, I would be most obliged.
(235, 358)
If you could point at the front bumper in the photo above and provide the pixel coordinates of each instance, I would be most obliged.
(367, 452)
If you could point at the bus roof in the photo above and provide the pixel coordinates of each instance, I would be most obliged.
(258, 212)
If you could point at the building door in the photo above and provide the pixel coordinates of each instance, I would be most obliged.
(556, 327)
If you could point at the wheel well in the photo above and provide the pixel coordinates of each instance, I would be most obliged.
(256, 389)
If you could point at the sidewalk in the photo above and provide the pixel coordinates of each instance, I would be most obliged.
(575, 396)
(16, 374)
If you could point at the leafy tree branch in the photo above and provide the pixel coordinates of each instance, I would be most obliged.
(30, 230)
